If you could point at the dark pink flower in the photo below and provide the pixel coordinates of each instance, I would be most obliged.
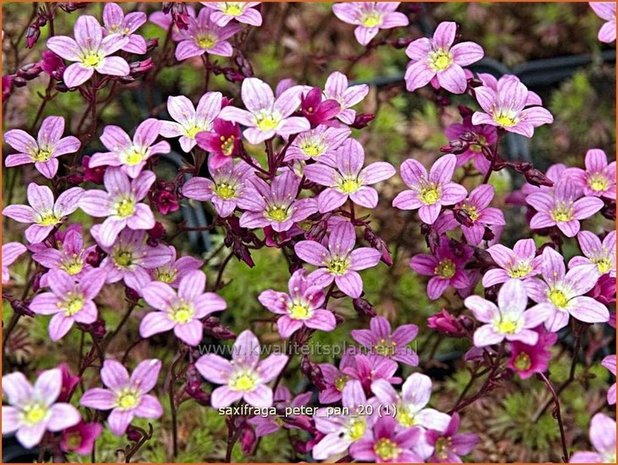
(526, 360)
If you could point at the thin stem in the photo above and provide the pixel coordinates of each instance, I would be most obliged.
(558, 415)
(222, 269)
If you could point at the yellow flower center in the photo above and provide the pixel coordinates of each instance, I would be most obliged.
(300, 311)
(166, 274)
(92, 59)
(233, 8)
(442, 447)
(225, 190)
(522, 362)
(73, 304)
(446, 268)
(48, 219)
(134, 156)
(440, 59)
(405, 417)
(127, 399)
(562, 213)
(183, 313)
(340, 383)
(506, 119)
(349, 185)
(604, 264)
(357, 428)
(371, 19)
(73, 265)
(386, 449)
(520, 270)
(312, 148)
(558, 298)
(267, 121)
(206, 41)
(598, 183)
(505, 326)
(73, 439)
(244, 381)
(429, 194)
(471, 210)
(192, 131)
(277, 213)
(123, 258)
(34, 413)
(338, 265)
(42, 155)
(124, 207)
(385, 347)
(227, 145)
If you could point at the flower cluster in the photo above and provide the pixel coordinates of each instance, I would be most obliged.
(287, 168)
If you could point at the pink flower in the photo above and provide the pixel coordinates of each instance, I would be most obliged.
(174, 270)
(266, 116)
(43, 214)
(337, 88)
(370, 17)
(130, 155)
(180, 310)
(115, 22)
(445, 267)
(190, 121)
(130, 259)
(429, 192)
(478, 214)
(603, 439)
(519, 263)
(334, 379)
(446, 323)
(316, 110)
(386, 343)
(385, 444)
(561, 294)
(120, 205)
(245, 377)
(341, 431)
(526, 360)
(345, 177)
(223, 142)
(505, 106)
(275, 205)
(229, 184)
(90, 50)
(10, 253)
(438, 59)
(71, 257)
(410, 406)
(484, 133)
(126, 397)
(599, 177)
(302, 306)
(317, 144)
(606, 11)
(32, 410)
(44, 151)
(609, 362)
(68, 301)
(203, 35)
(243, 12)
(601, 254)
(508, 320)
(80, 438)
(563, 207)
(339, 263)
(448, 444)
(369, 368)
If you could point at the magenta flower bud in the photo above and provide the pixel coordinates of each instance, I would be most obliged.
(94, 175)
(363, 307)
(22, 307)
(537, 178)
(133, 434)
(19, 81)
(32, 35)
(151, 44)
(163, 198)
(30, 71)
(446, 323)
(36, 282)
(247, 439)
(194, 386)
(213, 327)
(74, 179)
(7, 85)
(313, 372)
(156, 233)
(455, 147)
(131, 294)
(70, 7)
(69, 382)
(362, 120)
(95, 257)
